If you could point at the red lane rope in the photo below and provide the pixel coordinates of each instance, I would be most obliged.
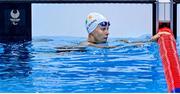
(170, 59)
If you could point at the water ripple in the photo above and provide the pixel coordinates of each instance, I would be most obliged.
(37, 67)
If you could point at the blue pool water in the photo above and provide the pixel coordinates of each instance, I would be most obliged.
(37, 67)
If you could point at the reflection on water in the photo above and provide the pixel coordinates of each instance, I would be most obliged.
(14, 60)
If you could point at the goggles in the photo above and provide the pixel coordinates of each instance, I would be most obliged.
(104, 24)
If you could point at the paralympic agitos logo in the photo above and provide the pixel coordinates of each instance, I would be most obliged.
(15, 17)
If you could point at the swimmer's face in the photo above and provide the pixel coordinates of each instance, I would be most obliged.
(100, 34)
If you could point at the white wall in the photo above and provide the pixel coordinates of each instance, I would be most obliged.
(127, 20)
(178, 20)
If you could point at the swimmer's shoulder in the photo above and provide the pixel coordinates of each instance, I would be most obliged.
(85, 43)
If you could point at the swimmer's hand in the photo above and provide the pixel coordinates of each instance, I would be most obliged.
(155, 37)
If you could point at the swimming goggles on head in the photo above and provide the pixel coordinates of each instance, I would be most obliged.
(104, 24)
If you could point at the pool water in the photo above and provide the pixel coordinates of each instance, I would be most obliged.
(36, 66)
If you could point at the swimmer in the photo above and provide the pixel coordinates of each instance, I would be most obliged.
(97, 27)
(98, 30)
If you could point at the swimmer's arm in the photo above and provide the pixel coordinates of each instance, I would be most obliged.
(95, 45)
(125, 41)
(134, 42)
(155, 37)
(100, 46)
(70, 48)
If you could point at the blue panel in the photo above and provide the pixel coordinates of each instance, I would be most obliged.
(176, 90)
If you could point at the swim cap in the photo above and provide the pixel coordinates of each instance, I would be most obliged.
(92, 21)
